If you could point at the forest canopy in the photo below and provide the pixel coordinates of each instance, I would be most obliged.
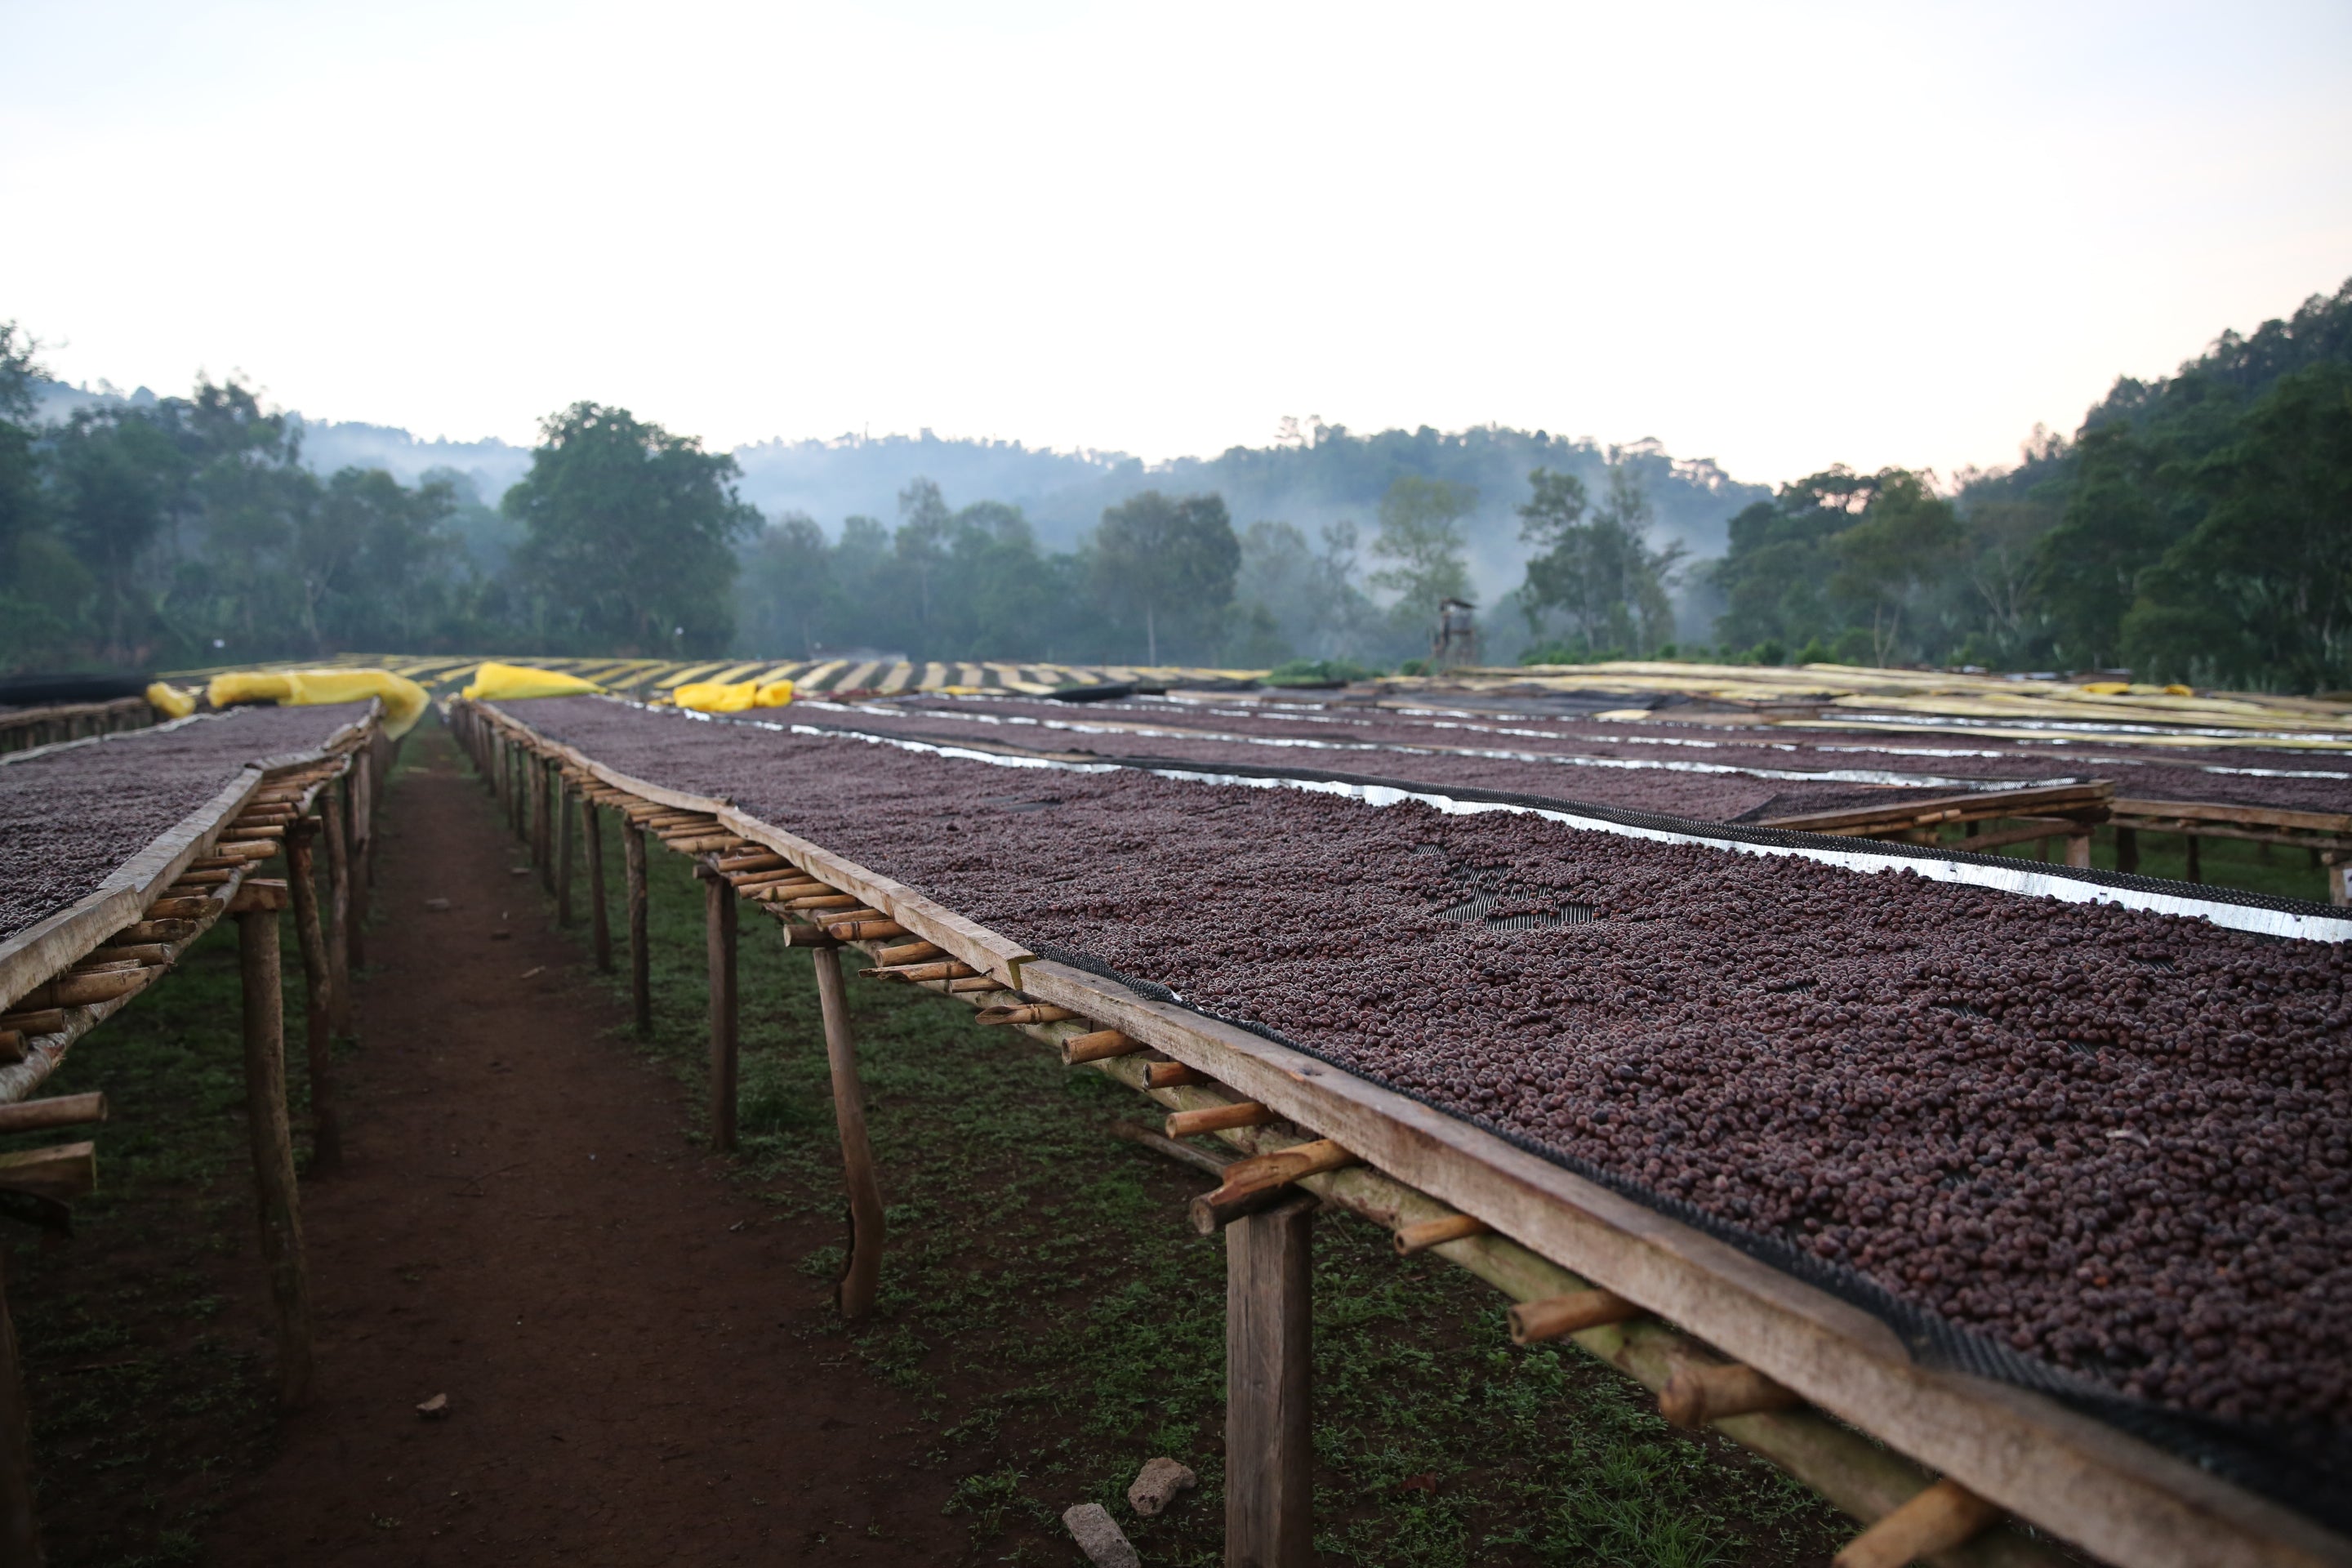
(2194, 528)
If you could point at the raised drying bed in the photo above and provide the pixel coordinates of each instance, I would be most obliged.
(2050, 1454)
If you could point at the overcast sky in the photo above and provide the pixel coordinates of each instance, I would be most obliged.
(1778, 236)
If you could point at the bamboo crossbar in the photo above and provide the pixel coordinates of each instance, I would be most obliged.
(2070, 1475)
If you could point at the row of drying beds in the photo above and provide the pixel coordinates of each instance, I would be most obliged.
(1815, 1386)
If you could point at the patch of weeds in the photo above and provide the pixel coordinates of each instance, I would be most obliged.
(989, 1498)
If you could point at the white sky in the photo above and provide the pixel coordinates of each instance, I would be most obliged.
(1779, 235)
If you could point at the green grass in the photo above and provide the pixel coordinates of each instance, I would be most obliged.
(1059, 1323)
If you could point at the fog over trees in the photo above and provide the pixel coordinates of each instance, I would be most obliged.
(2197, 527)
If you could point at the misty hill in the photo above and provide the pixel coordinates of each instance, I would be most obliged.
(1327, 473)
(329, 445)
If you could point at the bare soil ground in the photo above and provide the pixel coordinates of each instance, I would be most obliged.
(522, 1227)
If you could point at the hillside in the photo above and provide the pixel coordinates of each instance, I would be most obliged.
(1328, 474)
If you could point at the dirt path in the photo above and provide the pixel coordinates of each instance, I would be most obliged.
(522, 1224)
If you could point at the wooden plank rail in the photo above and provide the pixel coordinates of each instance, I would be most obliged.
(1537, 1231)
(2087, 802)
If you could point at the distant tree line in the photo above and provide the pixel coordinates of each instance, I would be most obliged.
(2196, 528)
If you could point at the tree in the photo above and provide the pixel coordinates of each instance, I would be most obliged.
(2087, 570)
(248, 492)
(20, 488)
(1422, 532)
(1837, 559)
(1905, 537)
(786, 585)
(114, 471)
(378, 565)
(629, 535)
(1173, 561)
(922, 543)
(1604, 575)
(2260, 592)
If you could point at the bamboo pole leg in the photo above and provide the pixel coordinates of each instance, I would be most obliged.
(326, 1130)
(641, 991)
(273, 1152)
(361, 805)
(515, 792)
(2196, 860)
(20, 1525)
(2128, 850)
(718, 931)
(542, 826)
(862, 1272)
(339, 912)
(1270, 1428)
(562, 852)
(600, 924)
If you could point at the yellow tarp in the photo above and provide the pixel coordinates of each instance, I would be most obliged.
(732, 697)
(495, 682)
(170, 701)
(404, 701)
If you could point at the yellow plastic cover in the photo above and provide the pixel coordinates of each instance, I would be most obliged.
(170, 701)
(404, 701)
(495, 682)
(732, 697)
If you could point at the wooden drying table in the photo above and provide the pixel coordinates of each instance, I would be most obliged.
(65, 975)
(2045, 811)
(2326, 834)
(1797, 1374)
(25, 726)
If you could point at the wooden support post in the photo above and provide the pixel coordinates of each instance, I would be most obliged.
(2078, 850)
(562, 852)
(363, 804)
(517, 797)
(2339, 880)
(1269, 1425)
(317, 985)
(339, 912)
(20, 1527)
(543, 828)
(273, 1152)
(600, 925)
(718, 934)
(863, 1271)
(2128, 850)
(2195, 864)
(641, 990)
